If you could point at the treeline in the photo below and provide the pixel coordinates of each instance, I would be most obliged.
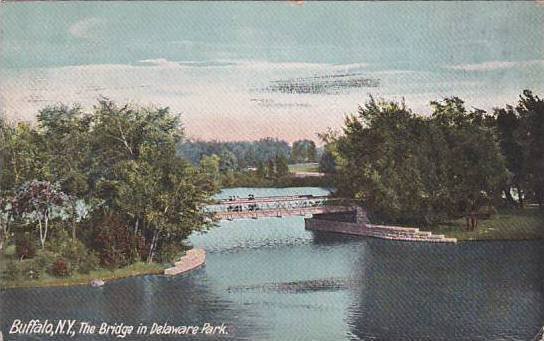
(106, 188)
(240, 155)
(408, 168)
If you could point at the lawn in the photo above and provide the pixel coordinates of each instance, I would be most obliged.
(513, 224)
(304, 167)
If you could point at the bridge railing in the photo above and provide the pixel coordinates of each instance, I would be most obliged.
(274, 204)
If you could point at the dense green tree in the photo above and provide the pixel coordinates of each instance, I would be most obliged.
(21, 155)
(530, 135)
(228, 161)
(327, 163)
(507, 122)
(270, 168)
(303, 151)
(246, 153)
(40, 202)
(210, 165)
(261, 169)
(409, 169)
(476, 171)
(65, 133)
(151, 184)
(282, 167)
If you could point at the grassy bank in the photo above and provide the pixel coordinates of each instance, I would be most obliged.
(244, 179)
(512, 224)
(304, 167)
(47, 280)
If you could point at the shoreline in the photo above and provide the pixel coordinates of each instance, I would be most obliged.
(85, 280)
(193, 260)
(160, 272)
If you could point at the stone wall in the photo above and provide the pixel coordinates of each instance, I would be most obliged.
(194, 259)
(362, 227)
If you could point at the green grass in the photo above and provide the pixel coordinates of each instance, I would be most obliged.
(514, 224)
(304, 167)
(46, 280)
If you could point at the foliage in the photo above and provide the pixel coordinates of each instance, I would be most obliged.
(12, 271)
(303, 151)
(75, 167)
(115, 244)
(235, 155)
(60, 268)
(409, 169)
(24, 247)
(327, 163)
(530, 135)
(73, 250)
(282, 167)
(40, 201)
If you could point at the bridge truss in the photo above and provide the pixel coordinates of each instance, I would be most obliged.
(277, 206)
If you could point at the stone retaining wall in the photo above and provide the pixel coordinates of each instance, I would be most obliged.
(377, 231)
(193, 259)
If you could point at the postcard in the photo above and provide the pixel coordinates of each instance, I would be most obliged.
(282, 170)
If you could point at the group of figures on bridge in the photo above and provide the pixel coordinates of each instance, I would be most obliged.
(252, 207)
(251, 204)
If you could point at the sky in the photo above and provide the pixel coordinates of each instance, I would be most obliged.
(242, 71)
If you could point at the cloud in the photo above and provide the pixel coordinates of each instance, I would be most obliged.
(161, 62)
(218, 99)
(494, 65)
(83, 29)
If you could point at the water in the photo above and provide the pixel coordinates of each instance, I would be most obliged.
(269, 279)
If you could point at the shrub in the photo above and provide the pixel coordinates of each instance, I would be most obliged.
(73, 251)
(89, 263)
(30, 269)
(169, 252)
(116, 244)
(12, 272)
(44, 259)
(24, 247)
(61, 268)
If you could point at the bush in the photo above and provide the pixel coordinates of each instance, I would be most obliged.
(12, 272)
(30, 269)
(116, 244)
(60, 268)
(24, 247)
(44, 259)
(169, 252)
(73, 251)
(89, 263)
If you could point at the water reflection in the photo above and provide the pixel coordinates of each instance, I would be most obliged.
(472, 291)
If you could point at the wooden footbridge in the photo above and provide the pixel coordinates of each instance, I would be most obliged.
(276, 206)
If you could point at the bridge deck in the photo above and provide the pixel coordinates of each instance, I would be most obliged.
(281, 212)
(278, 206)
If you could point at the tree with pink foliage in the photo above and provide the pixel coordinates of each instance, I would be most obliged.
(40, 201)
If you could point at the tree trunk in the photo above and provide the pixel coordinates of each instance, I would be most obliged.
(472, 221)
(45, 231)
(509, 198)
(520, 197)
(74, 229)
(152, 247)
(4, 235)
(41, 233)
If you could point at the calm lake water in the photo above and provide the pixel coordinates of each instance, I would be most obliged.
(269, 279)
